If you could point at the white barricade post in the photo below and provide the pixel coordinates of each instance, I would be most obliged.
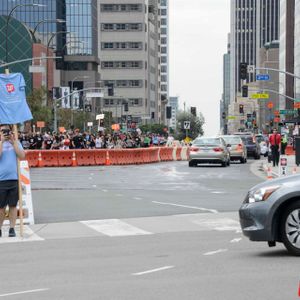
(28, 217)
(174, 153)
(184, 153)
(282, 165)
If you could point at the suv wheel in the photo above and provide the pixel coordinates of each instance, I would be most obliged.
(290, 228)
(191, 164)
(243, 160)
(224, 164)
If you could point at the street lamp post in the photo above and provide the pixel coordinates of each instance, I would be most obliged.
(7, 23)
(47, 21)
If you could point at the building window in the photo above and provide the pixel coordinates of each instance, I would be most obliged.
(163, 40)
(164, 59)
(163, 21)
(121, 7)
(163, 30)
(122, 45)
(164, 78)
(125, 83)
(163, 12)
(164, 69)
(164, 88)
(163, 50)
(121, 26)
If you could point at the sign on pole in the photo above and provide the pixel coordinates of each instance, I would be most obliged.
(100, 117)
(90, 124)
(263, 77)
(251, 68)
(231, 118)
(283, 165)
(260, 96)
(287, 111)
(187, 125)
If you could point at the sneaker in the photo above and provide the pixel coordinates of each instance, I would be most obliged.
(11, 232)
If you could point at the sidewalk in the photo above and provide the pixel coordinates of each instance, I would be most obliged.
(290, 169)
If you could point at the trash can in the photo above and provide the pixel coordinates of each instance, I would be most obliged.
(297, 150)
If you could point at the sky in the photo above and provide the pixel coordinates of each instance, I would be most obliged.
(198, 32)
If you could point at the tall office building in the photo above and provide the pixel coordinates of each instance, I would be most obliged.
(128, 48)
(164, 55)
(297, 47)
(174, 103)
(253, 24)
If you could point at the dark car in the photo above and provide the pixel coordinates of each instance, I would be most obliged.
(271, 213)
(252, 145)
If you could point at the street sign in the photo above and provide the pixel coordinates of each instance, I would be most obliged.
(251, 69)
(90, 124)
(187, 125)
(283, 166)
(260, 96)
(231, 118)
(263, 77)
(100, 117)
(36, 69)
(287, 111)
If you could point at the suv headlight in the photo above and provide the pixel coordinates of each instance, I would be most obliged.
(262, 194)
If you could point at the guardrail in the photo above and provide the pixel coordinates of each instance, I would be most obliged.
(98, 157)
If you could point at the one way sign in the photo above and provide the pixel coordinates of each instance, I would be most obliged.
(187, 125)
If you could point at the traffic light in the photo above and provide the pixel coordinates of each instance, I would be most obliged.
(193, 111)
(223, 115)
(243, 70)
(169, 112)
(110, 89)
(245, 91)
(241, 108)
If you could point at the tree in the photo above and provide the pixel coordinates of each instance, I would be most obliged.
(153, 128)
(39, 110)
(196, 125)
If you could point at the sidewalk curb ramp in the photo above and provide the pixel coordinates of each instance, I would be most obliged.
(97, 157)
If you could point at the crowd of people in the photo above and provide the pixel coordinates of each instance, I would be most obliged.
(77, 140)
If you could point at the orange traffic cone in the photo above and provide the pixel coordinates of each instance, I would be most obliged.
(74, 161)
(294, 170)
(40, 161)
(269, 172)
(107, 160)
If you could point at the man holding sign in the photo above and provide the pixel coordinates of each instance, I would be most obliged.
(10, 149)
(13, 110)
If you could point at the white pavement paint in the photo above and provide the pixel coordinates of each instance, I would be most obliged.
(24, 292)
(236, 240)
(119, 195)
(153, 270)
(216, 192)
(186, 206)
(104, 191)
(137, 198)
(114, 227)
(94, 185)
(224, 224)
(215, 252)
(28, 236)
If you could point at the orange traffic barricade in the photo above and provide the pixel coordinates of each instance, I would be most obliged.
(50, 158)
(32, 156)
(100, 157)
(65, 158)
(85, 157)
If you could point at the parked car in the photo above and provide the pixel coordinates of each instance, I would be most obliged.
(253, 147)
(271, 213)
(237, 148)
(209, 150)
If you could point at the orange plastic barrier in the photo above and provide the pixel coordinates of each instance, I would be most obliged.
(154, 155)
(100, 157)
(50, 158)
(65, 158)
(289, 150)
(178, 154)
(32, 157)
(166, 154)
(85, 157)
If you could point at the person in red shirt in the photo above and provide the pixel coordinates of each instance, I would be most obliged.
(275, 141)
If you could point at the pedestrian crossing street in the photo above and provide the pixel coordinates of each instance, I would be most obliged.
(113, 228)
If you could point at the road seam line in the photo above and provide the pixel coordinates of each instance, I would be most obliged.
(215, 252)
(24, 292)
(152, 271)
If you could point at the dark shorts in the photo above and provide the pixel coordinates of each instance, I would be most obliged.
(9, 193)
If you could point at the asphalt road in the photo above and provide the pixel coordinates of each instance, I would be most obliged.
(161, 231)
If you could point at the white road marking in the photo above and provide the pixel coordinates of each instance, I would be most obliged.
(104, 191)
(119, 195)
(224, 224)
(94, 185)
(114, 227)
(216, 192)
(186, 206)
(24, 292)
(28, 236)
(236, 240)
(238, 231)
(137, 198)
(152, 271)
(215, 252)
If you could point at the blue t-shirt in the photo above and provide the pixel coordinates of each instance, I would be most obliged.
(13, 105)
(8, 162)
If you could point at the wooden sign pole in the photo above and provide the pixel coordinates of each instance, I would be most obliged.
(15, 132)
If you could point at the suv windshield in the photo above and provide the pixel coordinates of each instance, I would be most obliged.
(232, 140)
(247, 140)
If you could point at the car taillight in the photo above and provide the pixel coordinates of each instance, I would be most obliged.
(218, 149)
(194, 149)
(239, 146)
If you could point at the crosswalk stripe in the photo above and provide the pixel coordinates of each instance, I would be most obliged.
(114, 227)
(28, 236)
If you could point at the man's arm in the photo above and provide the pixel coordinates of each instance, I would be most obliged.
(1, 143)
(19, 150)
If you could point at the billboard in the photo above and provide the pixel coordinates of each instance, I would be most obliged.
(66, 101)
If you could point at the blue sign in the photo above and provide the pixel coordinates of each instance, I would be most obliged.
(264, 77)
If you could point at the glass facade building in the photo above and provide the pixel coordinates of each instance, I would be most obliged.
(80, 17)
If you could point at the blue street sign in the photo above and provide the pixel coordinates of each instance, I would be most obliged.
(264, 77)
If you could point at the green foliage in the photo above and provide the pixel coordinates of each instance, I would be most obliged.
(39, 111)
(153, 128)
(196, 125)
